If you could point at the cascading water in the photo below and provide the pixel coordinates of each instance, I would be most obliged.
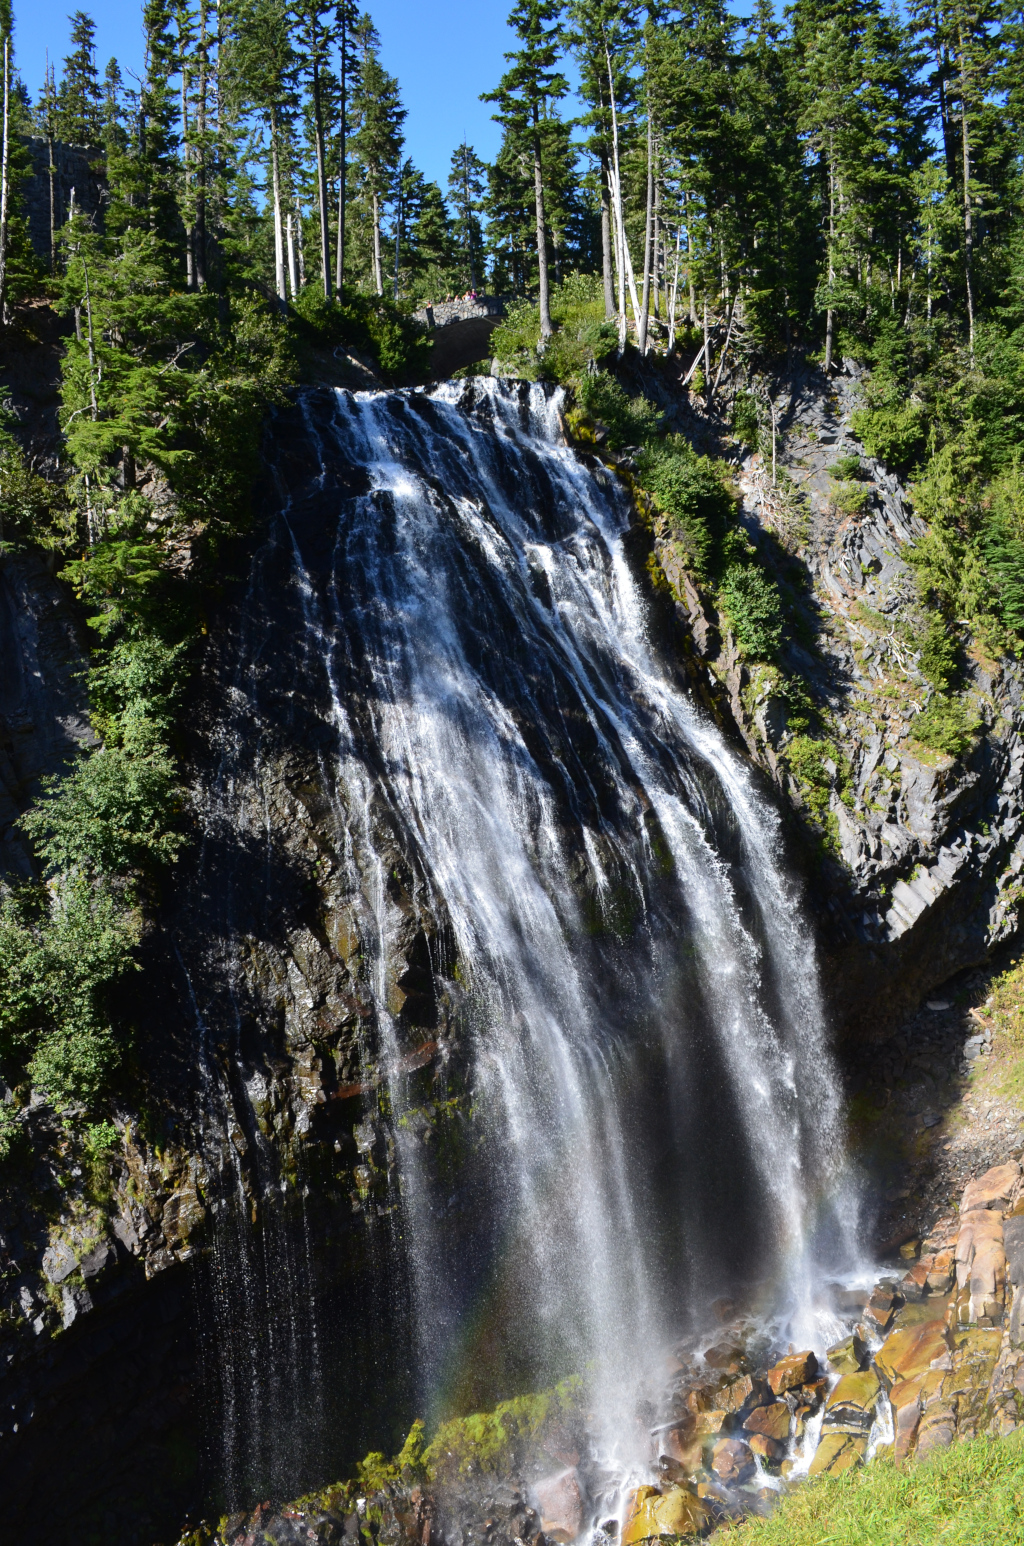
(631, 1027)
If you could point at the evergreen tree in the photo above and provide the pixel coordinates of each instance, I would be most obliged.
(525, 97)
(312, 40)
(378, 141)
(466, 185)
(79, 112)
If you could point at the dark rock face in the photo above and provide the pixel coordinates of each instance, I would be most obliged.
(77, 172)
(43, 707)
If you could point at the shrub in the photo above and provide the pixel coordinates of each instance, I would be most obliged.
(846, 467)
(691, 491)
(948, 725)
(850, 498)
(939, 652)
(750, 599)
(399, 344)
(745, 423)
(806, 758)
(629, 421)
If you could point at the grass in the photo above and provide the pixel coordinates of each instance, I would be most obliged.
(972, 1495)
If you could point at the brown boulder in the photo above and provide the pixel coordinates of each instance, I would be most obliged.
(770, 1421)
(732, 1461)
(881, 1308)
(992, 1190)
(560, 1505)
(906, 1411)
(849, 1355)
(981, 1264)
(851, 1405)
(788, 1373)
(838, 1452)
(772, 1450)
(675, 1513)
(913, 1350)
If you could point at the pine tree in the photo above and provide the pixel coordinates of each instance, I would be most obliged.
(466, 185)
(346, 22)
(378, 140)
(79, 98)
(526, 95)
(312, 39)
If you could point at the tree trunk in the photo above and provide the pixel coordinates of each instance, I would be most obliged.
(620, 232)
(660, 257)
(965, 147)
(606, 242)
(645, 304)
(186, 155)
(378, 278)
(339, 254)
(674, 295)
(321, 183)
(53, 206)
(199, 242)
(831, 262)
(301, 241)
(546, 328)
(278, 233)
(289, 231)
(398, 233)
(4, 180)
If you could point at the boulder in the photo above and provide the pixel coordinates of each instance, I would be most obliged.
(74, 1302)
(935, 1431)
(772, 1450)
(732, 1461)
(183, 1213)
(981, 1264)
(881, 1308)
(851, 1405)
(1013, 1245)
(912, 1351)
(710, 1422)
(992, 1190)
(906, 1414)
(770, 1421)
(790, 1372)
(838, 1452)
(681, 1445)
(915, 1285)
(59, 1261)
(941, 1271)
(849, 1355)
(559, 1501)
(100, 1257)
(651, 1514)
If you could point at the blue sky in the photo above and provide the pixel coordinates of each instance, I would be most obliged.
(444, 53)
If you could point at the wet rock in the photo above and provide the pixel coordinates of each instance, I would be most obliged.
(935, 1431)
(790, 1372)
(651, 1514)
(770, 1421)
(849, 1355)
(912, 1351)
(851, 1405)
(838, 1452)
(183, 1213)
(881, 1308)
(732, 1461)
(559, 1501)
(992, 1190)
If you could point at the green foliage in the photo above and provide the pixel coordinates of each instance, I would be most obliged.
(691, 490)
(806, 758)
(845, 468)
(497, 1443)
(939, 647)
(949, 724)
(849, 498)
(745, 422)
(629, 421)
(962, 1496)
(372, 324)
(582, 337)
(750, 599)
(30, 508)
(62, 949)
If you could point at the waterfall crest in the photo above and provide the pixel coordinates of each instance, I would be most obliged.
(626, 1005)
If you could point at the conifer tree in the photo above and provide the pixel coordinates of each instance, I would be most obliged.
(526, 95)
(79, 98)
(312, 39)
(379, 139)
(466, 184)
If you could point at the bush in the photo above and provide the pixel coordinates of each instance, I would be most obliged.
(850, 498)
(745, 423)
(399, 344)
(846, 467)
(948, 725)
(750, 599)
(939, 648)
(806, 758)
(690, 489)
(629, 421)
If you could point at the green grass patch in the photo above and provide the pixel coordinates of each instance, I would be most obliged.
(972, 1495)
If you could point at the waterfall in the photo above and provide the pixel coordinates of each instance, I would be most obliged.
(630, 1029)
